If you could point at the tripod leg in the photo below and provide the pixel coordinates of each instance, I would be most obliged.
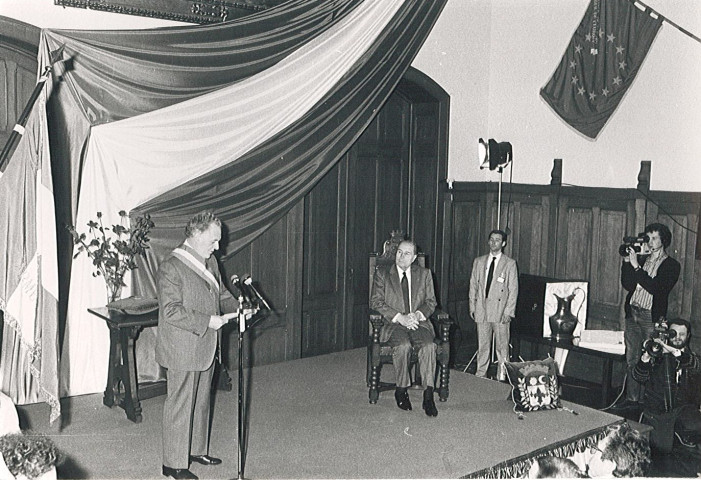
(471, 360)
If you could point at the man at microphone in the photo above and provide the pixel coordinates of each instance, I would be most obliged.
(191, 299)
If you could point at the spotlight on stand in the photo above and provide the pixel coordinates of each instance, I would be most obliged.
(493, 154)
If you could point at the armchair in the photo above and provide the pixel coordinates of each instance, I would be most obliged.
(379, 354)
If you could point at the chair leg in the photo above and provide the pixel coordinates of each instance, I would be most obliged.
(444, 372)
(374, 392)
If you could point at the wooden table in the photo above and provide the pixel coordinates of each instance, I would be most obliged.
(552, 343)
(123, 388)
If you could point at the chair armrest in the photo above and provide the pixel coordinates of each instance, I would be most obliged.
(376, 319)
(441, 317)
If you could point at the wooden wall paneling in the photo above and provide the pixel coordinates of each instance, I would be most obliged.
(362, 232)
(528, 233)
(560, 238)
(606, 295)
(274, 261)
(324, 264)
(595, 251)
(423, 215)
(446, 246)
(553, 219)
(392, 156)
(544, 238)
(19, 44)
(682, 244)
(577, 243)
(468, 242)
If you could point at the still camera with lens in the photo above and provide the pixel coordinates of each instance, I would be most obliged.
(662, 332)
(638, 244)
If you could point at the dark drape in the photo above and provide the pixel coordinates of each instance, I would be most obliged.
(257, 189)
(119, 74)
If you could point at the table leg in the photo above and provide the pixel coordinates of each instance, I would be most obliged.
(131, 405)
(606, 382)
(111, 389)
(516, 349)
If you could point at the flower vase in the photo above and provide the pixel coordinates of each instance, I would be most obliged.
(114, 293)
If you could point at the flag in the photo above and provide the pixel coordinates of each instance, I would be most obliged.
(600, 63)
(29, 271)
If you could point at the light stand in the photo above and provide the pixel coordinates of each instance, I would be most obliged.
(501, 173)
(495, 156)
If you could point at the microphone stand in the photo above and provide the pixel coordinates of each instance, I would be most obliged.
(242, 329)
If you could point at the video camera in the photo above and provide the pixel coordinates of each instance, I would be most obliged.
(662, 332)
(638, 244)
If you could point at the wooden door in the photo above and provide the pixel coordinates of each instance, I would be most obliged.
(345, 217)
(388, 180)
(324, 265)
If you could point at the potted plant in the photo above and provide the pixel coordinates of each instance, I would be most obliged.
(112, 254)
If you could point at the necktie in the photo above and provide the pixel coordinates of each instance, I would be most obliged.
(490, 276)
(405, 293)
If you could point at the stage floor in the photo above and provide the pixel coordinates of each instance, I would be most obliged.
(310, 418)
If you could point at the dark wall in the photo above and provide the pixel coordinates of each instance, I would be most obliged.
(568, 233)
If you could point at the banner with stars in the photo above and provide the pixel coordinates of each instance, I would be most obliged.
(600, 63)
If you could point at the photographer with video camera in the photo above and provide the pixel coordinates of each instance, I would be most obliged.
(648, 274)
(670, 372)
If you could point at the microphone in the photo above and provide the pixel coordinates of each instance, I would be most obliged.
(249, 283)
(235, 281)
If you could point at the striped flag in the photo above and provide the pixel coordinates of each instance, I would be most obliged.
(600, 64)
(29, 271)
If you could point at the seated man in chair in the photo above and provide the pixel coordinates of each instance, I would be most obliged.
(403, 294)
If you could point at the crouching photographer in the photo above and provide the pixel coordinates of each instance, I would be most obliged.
(648, 274)
(670, 372)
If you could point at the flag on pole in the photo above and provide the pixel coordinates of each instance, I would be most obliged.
(29, 270)
(600, 63)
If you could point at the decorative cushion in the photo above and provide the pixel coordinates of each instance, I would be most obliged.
(533, 385)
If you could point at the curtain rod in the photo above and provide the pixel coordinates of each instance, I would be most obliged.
(665, 19)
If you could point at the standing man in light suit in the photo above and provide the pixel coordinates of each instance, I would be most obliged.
(191, 299)
(403, 294)
(493, 294)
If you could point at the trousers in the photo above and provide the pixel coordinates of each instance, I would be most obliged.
(186, 416)
(402, 340)
(638, 327)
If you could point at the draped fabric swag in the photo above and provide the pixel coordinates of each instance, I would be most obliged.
(242, 118)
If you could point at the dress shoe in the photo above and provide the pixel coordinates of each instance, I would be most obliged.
(429, 405)
(402, 398)
(178, 472)
(205, 459)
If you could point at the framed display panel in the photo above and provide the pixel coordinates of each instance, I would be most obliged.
(577, 292)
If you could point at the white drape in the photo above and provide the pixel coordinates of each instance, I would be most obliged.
(130, 161)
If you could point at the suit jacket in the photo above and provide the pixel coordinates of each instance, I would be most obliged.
(186, 300)
(387, 296)
(502, 293)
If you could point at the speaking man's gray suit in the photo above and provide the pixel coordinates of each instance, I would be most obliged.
(493, 313)
(387, 299)
(186, 347)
